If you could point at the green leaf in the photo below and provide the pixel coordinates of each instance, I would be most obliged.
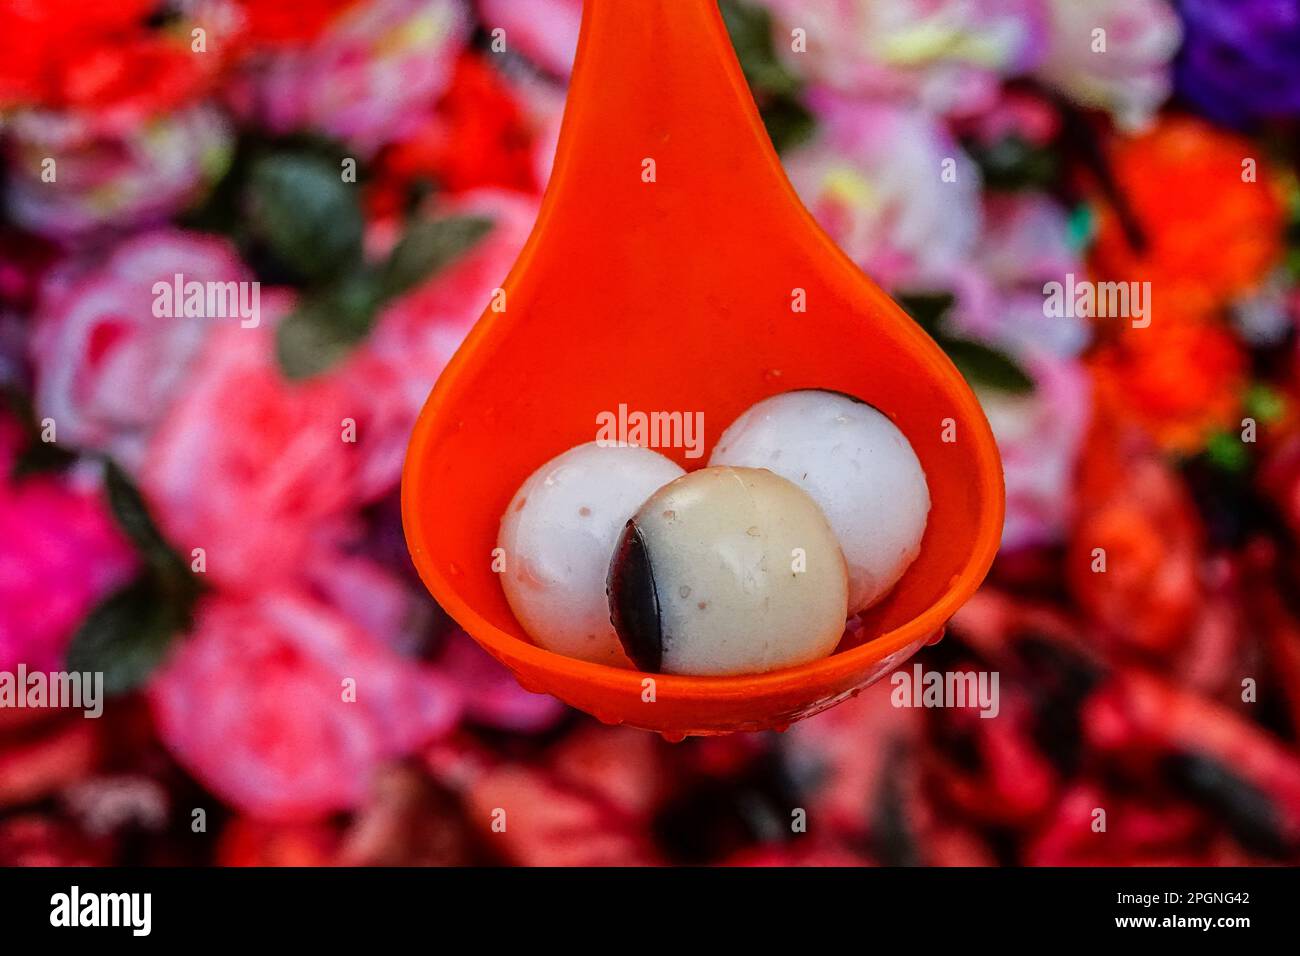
(127, 635)
(927, 308)
(326, 326)
(788, 121)
(35, 456)
(132, 515)
(40, 457)
(1227, 451)
(1265, 403)
(750, 27)
(986, 367)
(308, 218)
(775, 88)
(429, 246)
(1012, 163)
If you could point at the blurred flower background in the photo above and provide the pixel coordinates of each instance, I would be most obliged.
(203, 530)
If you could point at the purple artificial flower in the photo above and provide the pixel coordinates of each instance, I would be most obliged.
(1240, 61)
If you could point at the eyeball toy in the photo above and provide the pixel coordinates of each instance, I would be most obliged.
(852, 461)
(558, 534)
(727, 571)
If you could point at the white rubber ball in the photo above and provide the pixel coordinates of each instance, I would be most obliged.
(727, 571)
(558, 534)
(856, 464)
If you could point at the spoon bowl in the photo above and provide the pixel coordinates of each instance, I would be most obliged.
(664, 274)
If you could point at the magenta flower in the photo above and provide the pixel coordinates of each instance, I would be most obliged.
(60, 554)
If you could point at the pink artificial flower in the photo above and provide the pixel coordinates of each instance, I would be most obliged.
(874, 179)
(286, 709)
(107, 369)
(60, 554)
(1024, 246)
(109, 178)
(249, 466)
(1039, 436)
(1115, 55)
(371, 78)
(493, 697)
(943, 55)
(545, 31)
(392, 373)
(852, 752)
(1025, 114)
(365, 592)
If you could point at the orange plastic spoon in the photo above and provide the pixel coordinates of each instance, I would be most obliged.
(676, 294)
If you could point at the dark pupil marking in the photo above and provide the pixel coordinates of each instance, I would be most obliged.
(634, 602)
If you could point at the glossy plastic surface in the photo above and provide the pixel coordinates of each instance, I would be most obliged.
(676, 295)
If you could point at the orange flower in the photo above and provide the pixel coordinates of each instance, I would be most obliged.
(1133, 558)
(1211, 213)
(1179, 381)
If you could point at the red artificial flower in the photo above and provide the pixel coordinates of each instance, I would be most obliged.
(1015, 783)
(1139, 720)
(588, 804)
(32, 840)
(809, 851)
(1139, 830)
(1133, 557)
(1280, 479)
(290, 21)
(101, 57)
(249, 842)
(477, 137)
(39, 755)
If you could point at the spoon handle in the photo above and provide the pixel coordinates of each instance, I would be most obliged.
(658, 80)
